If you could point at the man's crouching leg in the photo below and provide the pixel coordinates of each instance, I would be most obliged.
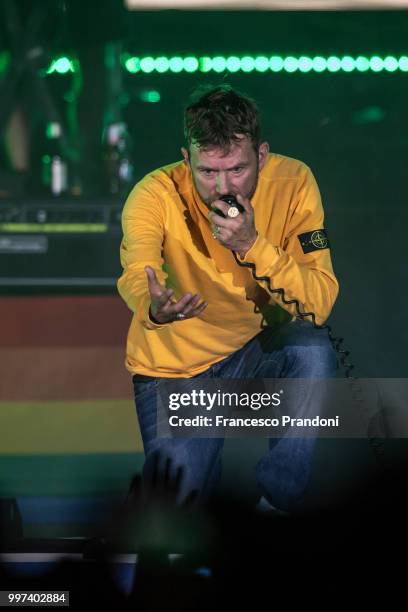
(297, 350)
(184, 470)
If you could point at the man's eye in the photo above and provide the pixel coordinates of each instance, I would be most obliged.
(207, 172)
(237, 170)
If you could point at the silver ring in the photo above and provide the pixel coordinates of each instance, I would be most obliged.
(233, 212)
(216, 232)
(180, 316)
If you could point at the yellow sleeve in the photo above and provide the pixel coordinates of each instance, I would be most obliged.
(143, 225)
(307, 277)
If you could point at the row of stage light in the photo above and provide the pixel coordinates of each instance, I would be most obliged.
(247, 64)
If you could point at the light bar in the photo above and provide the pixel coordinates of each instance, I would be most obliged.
(265, 5)
(63, 228)
(263, 63)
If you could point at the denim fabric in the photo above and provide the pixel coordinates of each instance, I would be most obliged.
(295, 350)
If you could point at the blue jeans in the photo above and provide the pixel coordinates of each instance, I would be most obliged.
(294, 350)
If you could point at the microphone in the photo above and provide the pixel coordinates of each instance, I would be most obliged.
(233, 204)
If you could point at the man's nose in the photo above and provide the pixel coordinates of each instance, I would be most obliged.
(222, 184)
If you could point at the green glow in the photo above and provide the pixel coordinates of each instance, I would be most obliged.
(333, 64)
(276, 63)
(161, 64)
(376, 63)
(391, 64)
(362, 63)
(62, 65)
(370, 114)
(4, 60)
(348, 64)
(176, 64)
(132, 64)
(233, 63)
(205, 64)
(290, 64)
(150, 95)
(190, 64)
(305, 64)
(261, 63)
(219, 64)
(147, 64)
(403, 63)
(63, 228)
(319, 64)
(248, 63)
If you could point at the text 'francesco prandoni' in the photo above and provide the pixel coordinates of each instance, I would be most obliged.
(238, 402)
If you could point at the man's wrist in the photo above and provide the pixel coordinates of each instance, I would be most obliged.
(251, 244)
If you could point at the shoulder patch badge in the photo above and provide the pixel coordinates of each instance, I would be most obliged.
(314, 241)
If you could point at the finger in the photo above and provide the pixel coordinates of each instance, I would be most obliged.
(244, 202)
(155, 287)
(198, 310)
(179, 306)
(220, 205)
(220, 221)
(167, 301)
(193, 304)
(163, 300)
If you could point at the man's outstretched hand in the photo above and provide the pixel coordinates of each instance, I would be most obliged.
(164, 309)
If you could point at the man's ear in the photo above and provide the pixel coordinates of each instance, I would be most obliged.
(263, 154)
(185, 155)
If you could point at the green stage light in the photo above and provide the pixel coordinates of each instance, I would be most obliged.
(190, 64)
(205, 64)
(261, 63)
(362, 63)
(290, 64)
(62, 65)
(403, 63)
(276, 63)
(4, 60)
(147, 64)
(132, 65)
(247, 64)
(176, 64)
(305, 64)
(319, 64)
(150, 95)
(333, 64)
(233, 63)
(347, 63)
(391, 64)
(376, 63)
(219, 64)
(161, 64)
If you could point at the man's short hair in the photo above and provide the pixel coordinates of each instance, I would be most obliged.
(215, 116)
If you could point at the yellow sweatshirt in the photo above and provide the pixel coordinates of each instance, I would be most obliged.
(166, 226)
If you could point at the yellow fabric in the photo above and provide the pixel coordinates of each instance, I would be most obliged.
(166, 226)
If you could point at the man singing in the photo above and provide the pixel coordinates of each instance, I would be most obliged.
(197, 312)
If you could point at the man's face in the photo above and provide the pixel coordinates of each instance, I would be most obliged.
(217, 172)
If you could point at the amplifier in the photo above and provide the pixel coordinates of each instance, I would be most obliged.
(59, 246)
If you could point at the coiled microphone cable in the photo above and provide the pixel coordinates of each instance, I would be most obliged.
(376, 444)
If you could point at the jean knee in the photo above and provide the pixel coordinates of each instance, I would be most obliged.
(310, 353)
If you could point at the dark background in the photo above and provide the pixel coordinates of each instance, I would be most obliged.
(350, 128)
